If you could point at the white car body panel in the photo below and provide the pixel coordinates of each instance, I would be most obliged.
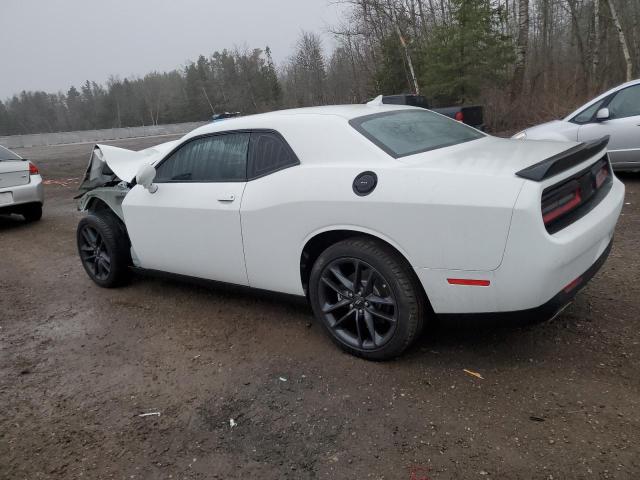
(189, 229)
(536, 265)
(32, 192)
(13, 173)
(404, 222)
(457, 211)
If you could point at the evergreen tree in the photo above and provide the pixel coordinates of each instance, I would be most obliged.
(271, 79)
(391, 75)
(467, 54)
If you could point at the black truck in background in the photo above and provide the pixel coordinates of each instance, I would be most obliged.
(472, 115)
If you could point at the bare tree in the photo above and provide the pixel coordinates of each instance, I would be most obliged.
(623, 41)
(414, 81)
(595, 60)
(521, 48)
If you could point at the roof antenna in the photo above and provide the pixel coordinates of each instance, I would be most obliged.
(376, 102)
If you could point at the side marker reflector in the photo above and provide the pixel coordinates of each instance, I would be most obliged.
(469, 282)
(572, 285)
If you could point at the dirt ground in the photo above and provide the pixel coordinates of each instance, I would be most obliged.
(79, 365)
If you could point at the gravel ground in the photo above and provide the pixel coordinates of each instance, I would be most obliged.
(79, 365)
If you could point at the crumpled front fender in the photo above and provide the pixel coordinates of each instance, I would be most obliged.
(112, 197)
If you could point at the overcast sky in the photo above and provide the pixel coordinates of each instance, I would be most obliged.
(53, 44)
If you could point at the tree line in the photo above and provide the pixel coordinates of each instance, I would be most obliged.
(525, 60)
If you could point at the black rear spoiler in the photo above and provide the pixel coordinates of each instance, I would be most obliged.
(563, 161)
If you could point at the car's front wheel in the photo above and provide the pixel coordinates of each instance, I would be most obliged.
(104, 249)
(367, 298)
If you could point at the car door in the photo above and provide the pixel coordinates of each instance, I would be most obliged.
(191, 224)
(623, 126)
(268, 220)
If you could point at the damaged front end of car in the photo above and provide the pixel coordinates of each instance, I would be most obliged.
(111, 174)
(101, 186)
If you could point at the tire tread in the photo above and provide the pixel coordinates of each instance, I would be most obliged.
(406, 279)
(114, 234)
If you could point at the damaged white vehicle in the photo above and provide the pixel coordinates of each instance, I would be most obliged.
(382, 215)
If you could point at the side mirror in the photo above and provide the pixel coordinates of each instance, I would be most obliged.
(145, 177)
(603, 114)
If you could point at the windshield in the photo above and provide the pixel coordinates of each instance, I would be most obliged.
(6, 154)
(407, 132)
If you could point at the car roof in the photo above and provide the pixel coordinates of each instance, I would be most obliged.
(344, 111)
(273, 119)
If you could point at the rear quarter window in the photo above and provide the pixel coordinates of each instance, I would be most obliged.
(269, 153)
(407, 132)
(6, 154)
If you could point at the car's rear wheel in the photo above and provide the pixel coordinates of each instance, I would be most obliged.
(367, 298)
(104, 249)
(32, 212)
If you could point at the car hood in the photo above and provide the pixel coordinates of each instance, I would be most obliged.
(488, 156)
(126, 163)
(554, 130)
(108, 164)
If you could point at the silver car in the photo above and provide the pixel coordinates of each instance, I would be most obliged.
(615, 113)
(21, 189)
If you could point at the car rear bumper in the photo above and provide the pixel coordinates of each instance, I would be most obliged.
(32, 192)
(543, 312)
(536, 265)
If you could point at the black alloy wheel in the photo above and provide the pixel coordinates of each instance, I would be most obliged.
(104, 248)
(357, 303)
(94, 253)
(367, 298)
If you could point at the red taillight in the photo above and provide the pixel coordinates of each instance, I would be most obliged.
(560, 206)
(566, 202)
(601, 176)
(459, 116)
(33, 170)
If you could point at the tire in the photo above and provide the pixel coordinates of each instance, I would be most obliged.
(103, 247)
(32, 212)
(381, 317)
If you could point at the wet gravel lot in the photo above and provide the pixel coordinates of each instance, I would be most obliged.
(80, 365)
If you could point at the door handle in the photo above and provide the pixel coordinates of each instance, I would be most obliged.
(227, 198)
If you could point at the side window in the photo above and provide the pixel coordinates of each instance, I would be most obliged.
(219, 158)
(269, 153)
(626, 103)
(587, 114)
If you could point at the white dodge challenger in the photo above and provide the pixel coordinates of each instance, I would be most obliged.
(384, 216)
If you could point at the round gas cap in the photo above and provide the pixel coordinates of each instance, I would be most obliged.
(365, 183)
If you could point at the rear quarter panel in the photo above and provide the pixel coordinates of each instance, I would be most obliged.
(436, 219)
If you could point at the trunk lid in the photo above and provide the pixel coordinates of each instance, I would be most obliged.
(489, 156)
(13, 173)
